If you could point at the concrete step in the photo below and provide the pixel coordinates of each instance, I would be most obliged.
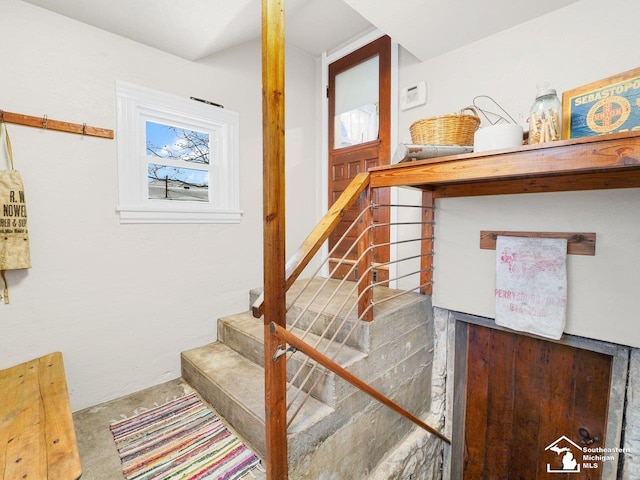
(324, 314)
(348, 440)
(234, 385)
(245, 334)
(342, 433)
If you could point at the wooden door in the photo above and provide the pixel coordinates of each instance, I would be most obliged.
(348, 158)
(531, 406)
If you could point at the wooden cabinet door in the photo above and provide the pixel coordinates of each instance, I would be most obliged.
(532, 406)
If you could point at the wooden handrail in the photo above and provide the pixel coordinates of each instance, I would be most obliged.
(300, 259)
(298, 344)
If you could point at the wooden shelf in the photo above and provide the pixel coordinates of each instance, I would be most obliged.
(592, 163)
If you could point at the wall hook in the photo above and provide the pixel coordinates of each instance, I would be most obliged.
(57, 125)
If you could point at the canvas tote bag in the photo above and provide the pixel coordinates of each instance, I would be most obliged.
(14, 236)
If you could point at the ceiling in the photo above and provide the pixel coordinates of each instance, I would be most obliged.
(195, 29)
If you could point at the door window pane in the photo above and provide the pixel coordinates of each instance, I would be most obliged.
(356, 104)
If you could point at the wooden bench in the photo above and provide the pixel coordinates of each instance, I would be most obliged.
(37, 438)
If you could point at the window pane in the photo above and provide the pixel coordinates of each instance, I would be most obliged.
(167, 141)
(356, 126)
(171, 183)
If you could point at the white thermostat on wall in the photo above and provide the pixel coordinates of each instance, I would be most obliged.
(413, 95)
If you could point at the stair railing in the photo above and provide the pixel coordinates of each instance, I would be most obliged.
(326, 362)
(361, 296)
(314, 241)
(355, 291)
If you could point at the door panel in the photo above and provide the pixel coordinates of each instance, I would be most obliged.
(531, 387)
(501, 383)
(524, 397)
(478, 350)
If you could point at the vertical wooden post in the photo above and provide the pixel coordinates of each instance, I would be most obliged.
(365, 273)
(273, 148)
(426, 261)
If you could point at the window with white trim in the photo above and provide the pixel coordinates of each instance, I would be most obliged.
(178, 159)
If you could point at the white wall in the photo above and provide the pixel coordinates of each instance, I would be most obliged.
(122, 301)
(571, 47)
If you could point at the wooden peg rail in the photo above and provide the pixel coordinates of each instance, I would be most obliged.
(49, 124)
(577, 243)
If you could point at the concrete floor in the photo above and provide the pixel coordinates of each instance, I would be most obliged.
(98, 452)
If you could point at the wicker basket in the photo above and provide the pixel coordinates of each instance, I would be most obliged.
(446, 129)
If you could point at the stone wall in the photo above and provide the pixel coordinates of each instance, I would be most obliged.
(631, 443)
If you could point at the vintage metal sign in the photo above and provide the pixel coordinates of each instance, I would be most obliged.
(606, 106)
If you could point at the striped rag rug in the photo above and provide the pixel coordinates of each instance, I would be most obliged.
(182, 439)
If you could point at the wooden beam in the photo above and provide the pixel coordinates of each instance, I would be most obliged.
(273, 147)
(426, 246)
(578, 243)
(625, 178)
(365, 254)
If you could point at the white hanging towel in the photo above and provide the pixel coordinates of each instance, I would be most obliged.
(531, 285)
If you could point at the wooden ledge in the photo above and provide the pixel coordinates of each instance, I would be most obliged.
(607, 161)
(37, 438)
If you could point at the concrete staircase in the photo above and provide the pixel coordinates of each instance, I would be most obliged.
(340, 432)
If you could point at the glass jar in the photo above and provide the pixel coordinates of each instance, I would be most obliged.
(544, 117)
